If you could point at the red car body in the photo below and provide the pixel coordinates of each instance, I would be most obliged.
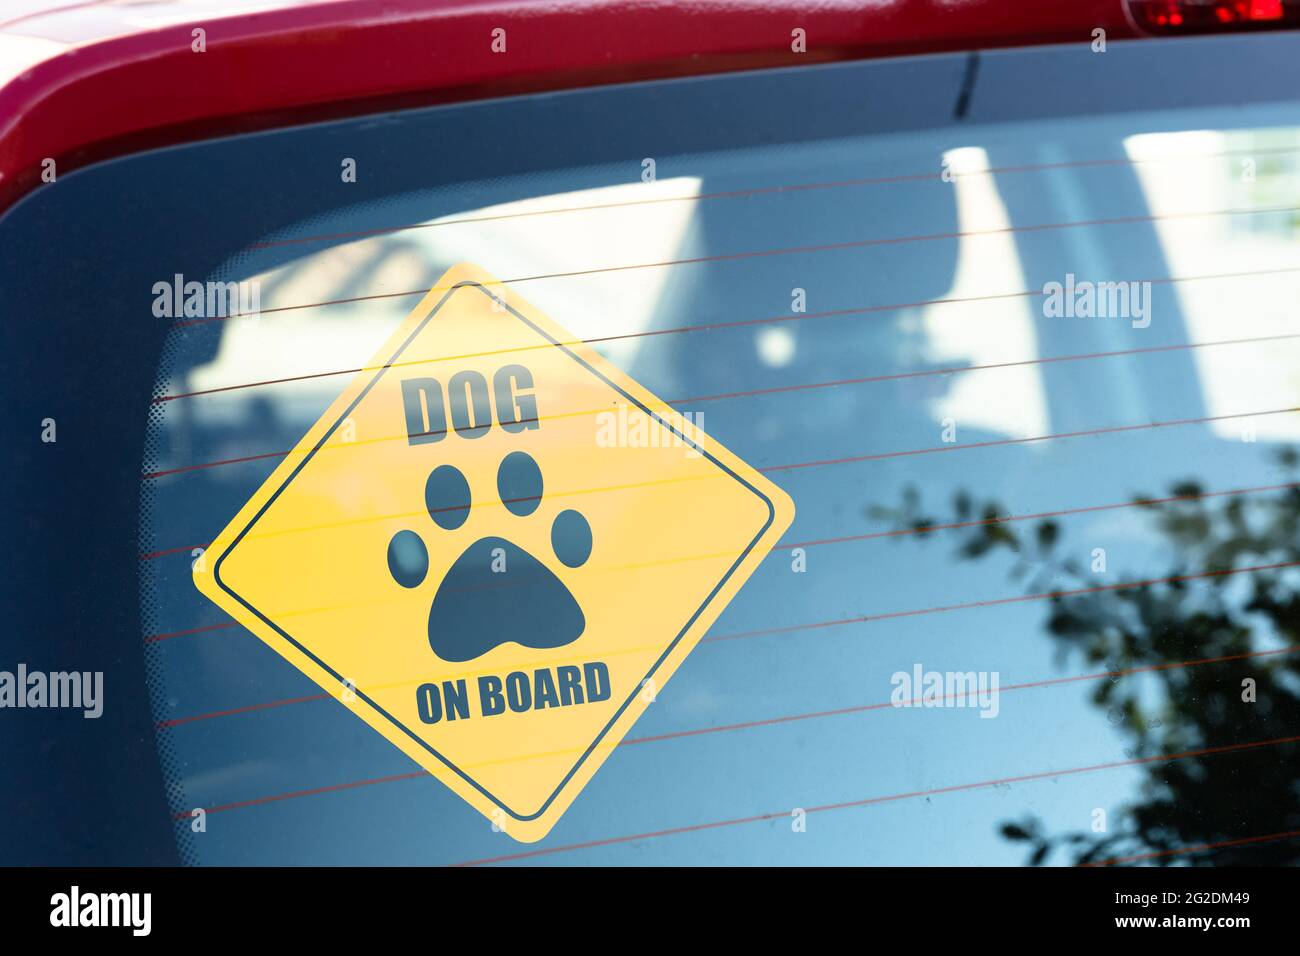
(85, 81)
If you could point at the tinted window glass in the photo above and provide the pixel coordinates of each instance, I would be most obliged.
(1007, 359)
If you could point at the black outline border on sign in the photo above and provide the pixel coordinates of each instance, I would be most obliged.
(771, 516)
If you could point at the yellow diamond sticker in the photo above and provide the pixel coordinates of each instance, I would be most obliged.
(495, 548)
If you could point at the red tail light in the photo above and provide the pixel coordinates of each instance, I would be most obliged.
(1214, 16)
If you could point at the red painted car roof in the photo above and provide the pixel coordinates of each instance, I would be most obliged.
(84, 81)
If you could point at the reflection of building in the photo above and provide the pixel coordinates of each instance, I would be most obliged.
(1234, 170)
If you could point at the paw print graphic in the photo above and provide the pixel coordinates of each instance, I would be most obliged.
(495, 591)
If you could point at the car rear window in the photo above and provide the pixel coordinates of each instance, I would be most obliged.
(1025, 360)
